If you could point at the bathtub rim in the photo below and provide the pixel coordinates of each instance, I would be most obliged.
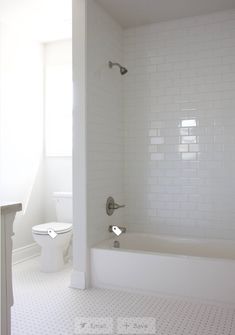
(100, 246)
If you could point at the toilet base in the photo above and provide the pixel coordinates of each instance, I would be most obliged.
(53, 251)
(53, 261)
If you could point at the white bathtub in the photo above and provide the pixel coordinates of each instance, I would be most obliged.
(196, 268)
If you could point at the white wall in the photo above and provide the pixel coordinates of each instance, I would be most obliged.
(21, 128)
(57, 178)
(57, 168)
(179, 127)
(26, 174)
(104, 121)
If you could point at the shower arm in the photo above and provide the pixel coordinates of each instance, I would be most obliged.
(111, 64)
(122, 69)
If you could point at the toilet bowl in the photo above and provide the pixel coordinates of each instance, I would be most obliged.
(54, 249)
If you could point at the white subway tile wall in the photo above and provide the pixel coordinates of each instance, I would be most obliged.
(105, 128)
(179, 109)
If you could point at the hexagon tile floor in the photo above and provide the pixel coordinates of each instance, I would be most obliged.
(45, 305)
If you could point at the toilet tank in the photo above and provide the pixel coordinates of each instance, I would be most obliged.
(63, 203)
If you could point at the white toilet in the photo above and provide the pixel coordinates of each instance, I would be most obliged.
(53, 250)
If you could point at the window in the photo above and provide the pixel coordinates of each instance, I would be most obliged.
(58, 99)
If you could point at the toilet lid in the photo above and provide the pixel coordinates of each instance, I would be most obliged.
(58, 227)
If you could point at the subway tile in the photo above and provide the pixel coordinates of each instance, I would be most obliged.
(157, 140)
(157, 156)
(153, 132)
(182, 148)
(189, 123)
(188, 139)
(189, 156)
(179, 125)
(184, 131)
(194, 147)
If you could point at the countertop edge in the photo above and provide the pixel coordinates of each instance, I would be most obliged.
(10, 207)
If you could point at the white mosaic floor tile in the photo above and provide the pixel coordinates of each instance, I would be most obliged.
(45, 305)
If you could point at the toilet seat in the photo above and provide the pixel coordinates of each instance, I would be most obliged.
(58, 227)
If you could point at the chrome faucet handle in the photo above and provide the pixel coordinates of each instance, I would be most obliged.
(116, 206)
(111, 206)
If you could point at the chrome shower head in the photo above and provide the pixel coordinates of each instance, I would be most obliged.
(123, 70)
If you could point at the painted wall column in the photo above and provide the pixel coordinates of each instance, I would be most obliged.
(79, 278)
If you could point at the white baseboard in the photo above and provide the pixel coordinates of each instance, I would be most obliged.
(78, 280)
(22, 254)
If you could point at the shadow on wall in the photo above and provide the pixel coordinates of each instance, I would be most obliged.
(32, 213)
(21, 127)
